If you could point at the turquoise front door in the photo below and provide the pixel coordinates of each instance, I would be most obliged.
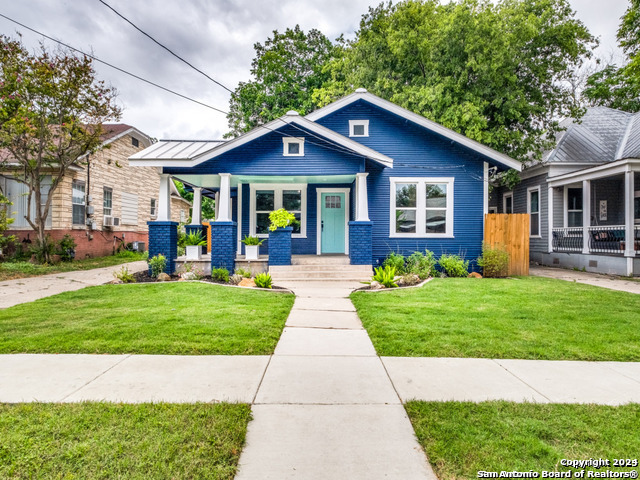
(332, 218)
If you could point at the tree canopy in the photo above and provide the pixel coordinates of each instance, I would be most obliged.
(52, 107)
(286, 70)
(619, 87)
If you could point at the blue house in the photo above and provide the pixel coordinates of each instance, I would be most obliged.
(363, 177)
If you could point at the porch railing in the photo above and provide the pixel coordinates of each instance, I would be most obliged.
(607, 239)
(567, 239)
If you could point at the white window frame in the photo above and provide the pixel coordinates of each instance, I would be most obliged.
(353, 123)
(566, 203)
(421, 209)
(278, 188)
(110, 209)
(529, 191)
(153, 207)
(289, 140)
(347, 209)
(504, 202)
(79, 183)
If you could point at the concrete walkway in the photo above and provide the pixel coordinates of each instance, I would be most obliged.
(23, 290)
(595, 279)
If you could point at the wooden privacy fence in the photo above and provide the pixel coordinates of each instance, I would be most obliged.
(512, 232)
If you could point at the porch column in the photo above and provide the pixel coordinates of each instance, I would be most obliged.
(223, 230)
(362, 201)
(550, 219)
(196, 212)
(586, 214)
(629, 237)
(164, 200)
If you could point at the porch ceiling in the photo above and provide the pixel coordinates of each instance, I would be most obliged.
(213, 181)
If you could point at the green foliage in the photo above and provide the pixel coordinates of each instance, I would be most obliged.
(244, 273)
(157, 265)
(263, 280)
(191, 268)
(249, 240)
(195, 239)
(286, 70)
(208, 207)
(182, 237)
(454, 265)
(124, 275)
(43, 249)
(422, 265)
(5, 221)
(493, 71)
(494, 261)
(66, 248)
(281, 218)
(220, 274)
(396, 261)
(385, 276)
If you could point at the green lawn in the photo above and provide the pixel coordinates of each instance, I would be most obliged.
(13, 270)
(111, 441)
(156, 318)
(462, 439)
(525, 317)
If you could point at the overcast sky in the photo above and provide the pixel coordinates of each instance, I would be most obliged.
(217, 36)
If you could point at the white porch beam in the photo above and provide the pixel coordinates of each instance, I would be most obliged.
(225, 198)
(362, 201)
(629, 247)
(550, 219)
(196, 209)
(164, 198)
(586, 214)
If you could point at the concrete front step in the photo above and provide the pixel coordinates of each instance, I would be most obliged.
(320, 268)
(321, 272)
(320, 259)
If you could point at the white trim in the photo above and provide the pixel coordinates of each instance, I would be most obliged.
(286, 141)
(421, 207)
(599, 171)
(347, 210)
(586, 214)
(239, 206)
(224, 212)
(485, 193)
(565, 221)
(629, 223)
(420, 120)
(504, 202)
(493, 210)
(362, 197)
(529, 190)
(550, 219)
(278, 188)
(364, 123)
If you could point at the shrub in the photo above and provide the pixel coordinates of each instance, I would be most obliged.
(494, 261)
(396, 261)
(454, 265)
(66, 248)
(281, 218)
(263, 280)
(410, 279)
(43, 251)
(385, 276)
(244, 273)
(191, 268)
(235, 279)
(422, 265)
(124, 276)
(220, 274)
(157, 265)
(5, 222)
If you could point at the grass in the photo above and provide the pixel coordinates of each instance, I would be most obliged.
(110, 441)
(527, 317)
(462, 439)
(12, 270)
(157, 318)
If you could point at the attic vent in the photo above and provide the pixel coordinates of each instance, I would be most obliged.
(135, 142)
(358, 128)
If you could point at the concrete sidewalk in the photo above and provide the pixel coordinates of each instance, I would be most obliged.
(23, 290)
(595, 279)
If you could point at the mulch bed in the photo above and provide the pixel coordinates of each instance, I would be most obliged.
(144, 277)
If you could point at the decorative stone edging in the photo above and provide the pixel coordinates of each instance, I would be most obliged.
(369, 290)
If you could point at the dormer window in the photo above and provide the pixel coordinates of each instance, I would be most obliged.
(293, 147)
(135, 142)
(358, 128)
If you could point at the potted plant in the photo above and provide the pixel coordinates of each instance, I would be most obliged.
(251, 247)
(281, 219)
(193, 243)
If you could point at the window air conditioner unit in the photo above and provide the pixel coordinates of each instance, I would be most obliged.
(107, 221)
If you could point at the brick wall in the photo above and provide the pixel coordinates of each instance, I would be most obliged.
(223, 241)
(360, 243)
(280, 246)
(163, 239)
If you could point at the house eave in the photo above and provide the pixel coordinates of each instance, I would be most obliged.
(598, 171)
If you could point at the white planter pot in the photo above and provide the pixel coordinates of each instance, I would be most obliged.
(251, 252)
(193, 252)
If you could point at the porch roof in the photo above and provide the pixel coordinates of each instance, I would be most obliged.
(592, 173)
(212, 182)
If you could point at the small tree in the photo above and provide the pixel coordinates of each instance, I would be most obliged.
(5, 221)
(52, 108)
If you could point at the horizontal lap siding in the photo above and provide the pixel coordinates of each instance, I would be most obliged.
(417, 153)
(520, 206)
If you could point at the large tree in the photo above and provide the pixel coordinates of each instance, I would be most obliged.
(286, 70)
(619, 87)
(497, 73)
(51, 111)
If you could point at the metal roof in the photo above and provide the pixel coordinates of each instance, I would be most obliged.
(176, 149)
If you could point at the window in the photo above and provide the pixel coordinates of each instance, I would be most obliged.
(78, 202)
(293, 147)
(507, 203)
(135, 142)
(574, 207)
(153, 208)
(533, 209)
(421, 207)
(107, 201)
(266, 198)
(636, 207)
(358, 128)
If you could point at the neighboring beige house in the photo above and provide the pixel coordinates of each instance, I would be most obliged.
(103, 203)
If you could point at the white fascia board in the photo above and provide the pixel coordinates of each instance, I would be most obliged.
(420, 120)
(146, 140)
(600, 171)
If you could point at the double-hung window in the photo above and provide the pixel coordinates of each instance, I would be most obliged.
(533, 209)
(266, 198)
(507, 202)
(574, 207)
(153, 208)
(78, 202)
(421, 207)
(107, 201)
